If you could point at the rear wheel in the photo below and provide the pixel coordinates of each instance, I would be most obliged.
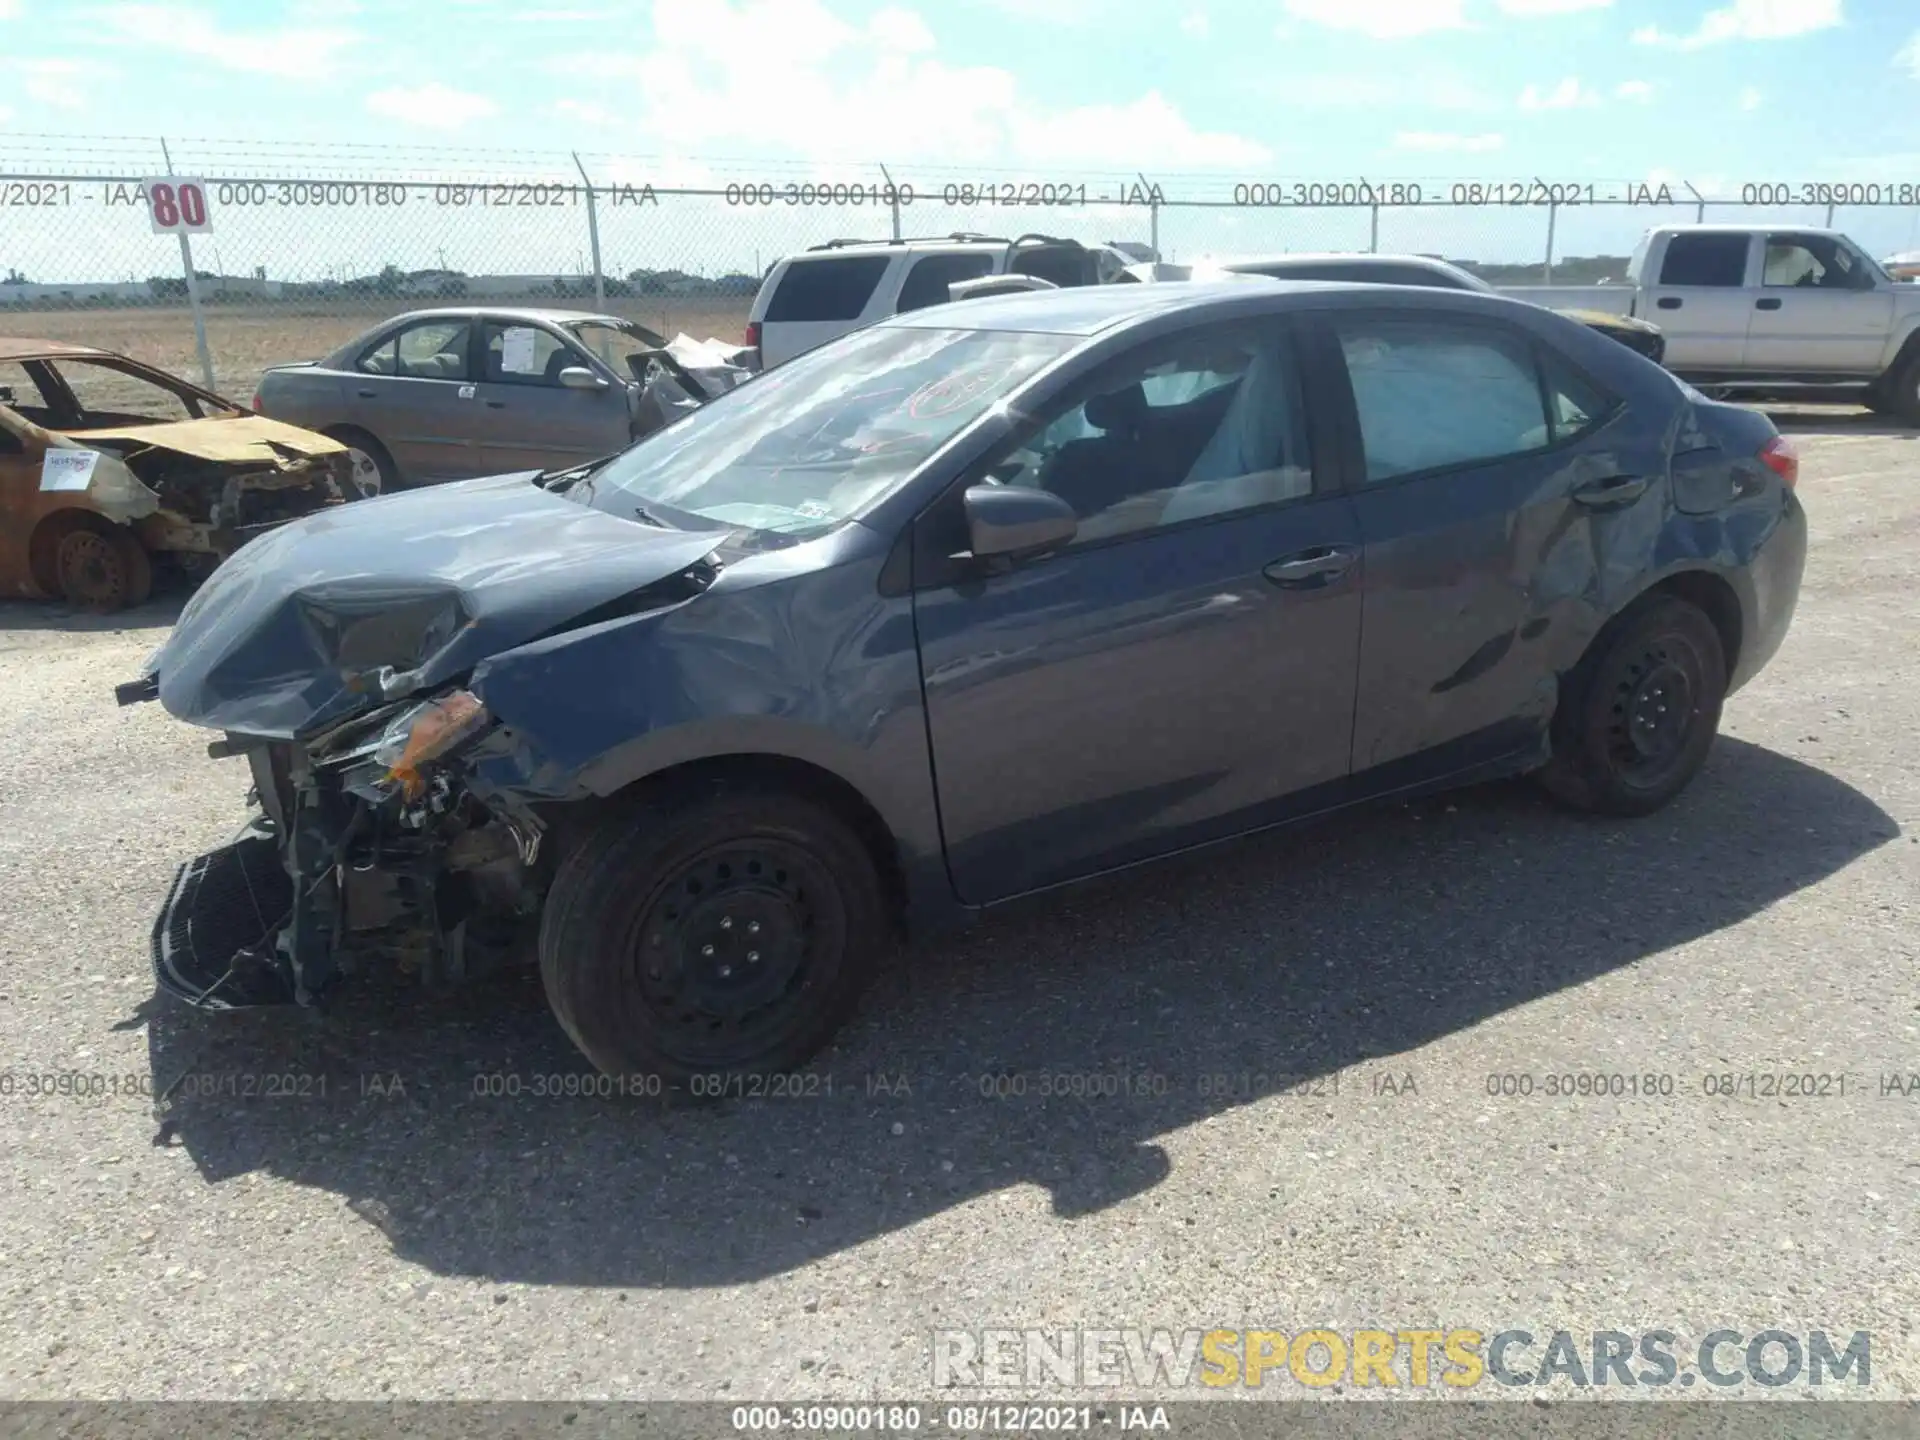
(729, 933)
(102, 566)
(1899, 393)
(1638, 716)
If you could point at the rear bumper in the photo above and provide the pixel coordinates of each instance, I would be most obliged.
(1774, 576)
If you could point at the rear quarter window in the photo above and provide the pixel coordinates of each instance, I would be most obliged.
(834, 287)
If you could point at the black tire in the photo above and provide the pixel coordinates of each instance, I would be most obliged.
(1639, 714)
(764, 911)
(359, 440)
(1900, 396)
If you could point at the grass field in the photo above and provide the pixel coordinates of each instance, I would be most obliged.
(246, 341)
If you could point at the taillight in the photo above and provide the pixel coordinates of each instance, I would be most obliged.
(256, 400)
(1783, 459)
(752, 337)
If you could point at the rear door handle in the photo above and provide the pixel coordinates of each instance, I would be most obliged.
(496, 404)
(1321, 565)
(1669, 302)
(367, 394)
(1605, 494)
(1771, 302)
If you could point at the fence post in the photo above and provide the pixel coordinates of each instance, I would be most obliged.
(1829, 214)
(593, 236)
(1153, 215)
(1373, 233)
(1700, 203)
(193, 290)
(1553, 215)
(893, 199)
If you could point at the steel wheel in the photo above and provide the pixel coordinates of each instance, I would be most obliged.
(1654, 713)
(102, 570)
(365, 475)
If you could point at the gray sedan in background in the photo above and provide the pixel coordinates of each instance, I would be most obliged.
(447, 394)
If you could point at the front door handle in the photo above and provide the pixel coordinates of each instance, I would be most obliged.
(496, 404)
(1669, 302)
(367, 394)
(1770, 302)
(1321, 565)
(1605, 494)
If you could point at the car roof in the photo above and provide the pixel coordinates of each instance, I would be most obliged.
(1087, 309)
(536, 313)
(12, 348)
(1333, 257)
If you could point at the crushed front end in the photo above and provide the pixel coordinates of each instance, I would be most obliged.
(368, 848)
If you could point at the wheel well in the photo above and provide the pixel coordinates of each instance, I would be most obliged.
(770, 772)
(1909, 348)
(46, 538)
(1709, 593)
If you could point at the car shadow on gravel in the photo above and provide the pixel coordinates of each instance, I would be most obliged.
(156, 614)
(1282, 966)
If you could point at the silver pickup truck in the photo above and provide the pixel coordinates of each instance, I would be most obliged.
(1769, 308)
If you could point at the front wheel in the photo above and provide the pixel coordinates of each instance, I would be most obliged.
(726, 934)
(1640, 712)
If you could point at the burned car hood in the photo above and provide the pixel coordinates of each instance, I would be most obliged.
(229, 438)
(1607, 320)
(292, 633)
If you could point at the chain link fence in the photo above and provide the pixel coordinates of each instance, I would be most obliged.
(305, 247)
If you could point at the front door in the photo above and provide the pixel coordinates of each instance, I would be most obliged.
(1819, 308)
(1185, 667)
(525, 419)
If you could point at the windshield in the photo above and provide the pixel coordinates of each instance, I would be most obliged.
(805, 446)
(616, 344)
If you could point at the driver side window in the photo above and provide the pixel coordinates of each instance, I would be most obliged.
(1206, 425)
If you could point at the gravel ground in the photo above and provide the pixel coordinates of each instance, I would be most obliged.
(405, 1235)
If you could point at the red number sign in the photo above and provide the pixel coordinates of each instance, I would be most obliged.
(178, 206)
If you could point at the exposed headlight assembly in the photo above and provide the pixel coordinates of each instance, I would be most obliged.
(423, 733)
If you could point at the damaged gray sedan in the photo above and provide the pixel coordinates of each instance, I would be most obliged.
(981, 600)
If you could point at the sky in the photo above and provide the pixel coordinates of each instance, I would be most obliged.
(1207, 93)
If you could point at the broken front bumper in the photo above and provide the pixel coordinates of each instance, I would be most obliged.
(214, 939)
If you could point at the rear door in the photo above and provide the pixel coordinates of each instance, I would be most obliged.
(1184, 669)
(1499, 481)
(413, 391)
(526, 419)
(1701, 300)
(1820, 307)
(818, 296)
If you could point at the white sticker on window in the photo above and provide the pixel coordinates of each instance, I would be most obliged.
(64, 469)
(813, 510)
(516, 350)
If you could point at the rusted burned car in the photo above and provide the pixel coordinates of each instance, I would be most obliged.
(107, 465)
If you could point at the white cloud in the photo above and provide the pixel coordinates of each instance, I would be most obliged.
(1569, 94)
(1550, 7)
(432, 106)
(297, 53)
(1749, 20)
(1750, 99)
(10, 10)
(52, 84)
(1382, 19)
(1638, 91)
(792, 73)
(1440, 140)
(1909, 55)
(1195, 22)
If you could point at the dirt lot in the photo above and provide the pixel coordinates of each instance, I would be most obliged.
(245, 340)
(347, 1205)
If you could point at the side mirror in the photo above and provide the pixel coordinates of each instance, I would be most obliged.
(1007, 522)
(579, 377)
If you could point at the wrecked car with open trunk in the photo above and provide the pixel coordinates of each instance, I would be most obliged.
(107, 465)
(976, 601)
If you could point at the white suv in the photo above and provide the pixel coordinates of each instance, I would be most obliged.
(809, 298)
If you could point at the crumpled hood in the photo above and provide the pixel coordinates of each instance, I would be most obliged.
(222, 438)
(289, 635)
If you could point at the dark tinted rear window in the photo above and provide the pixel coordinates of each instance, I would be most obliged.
(1705, 260)
(830, 288)
(927, 281)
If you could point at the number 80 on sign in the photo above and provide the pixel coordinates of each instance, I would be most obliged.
(178, 206)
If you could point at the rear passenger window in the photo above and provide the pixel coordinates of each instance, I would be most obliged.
(1574, 404)
(1433, 394)
(434, 350)
(1719, 260)
(927, 281)
(830, 288)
